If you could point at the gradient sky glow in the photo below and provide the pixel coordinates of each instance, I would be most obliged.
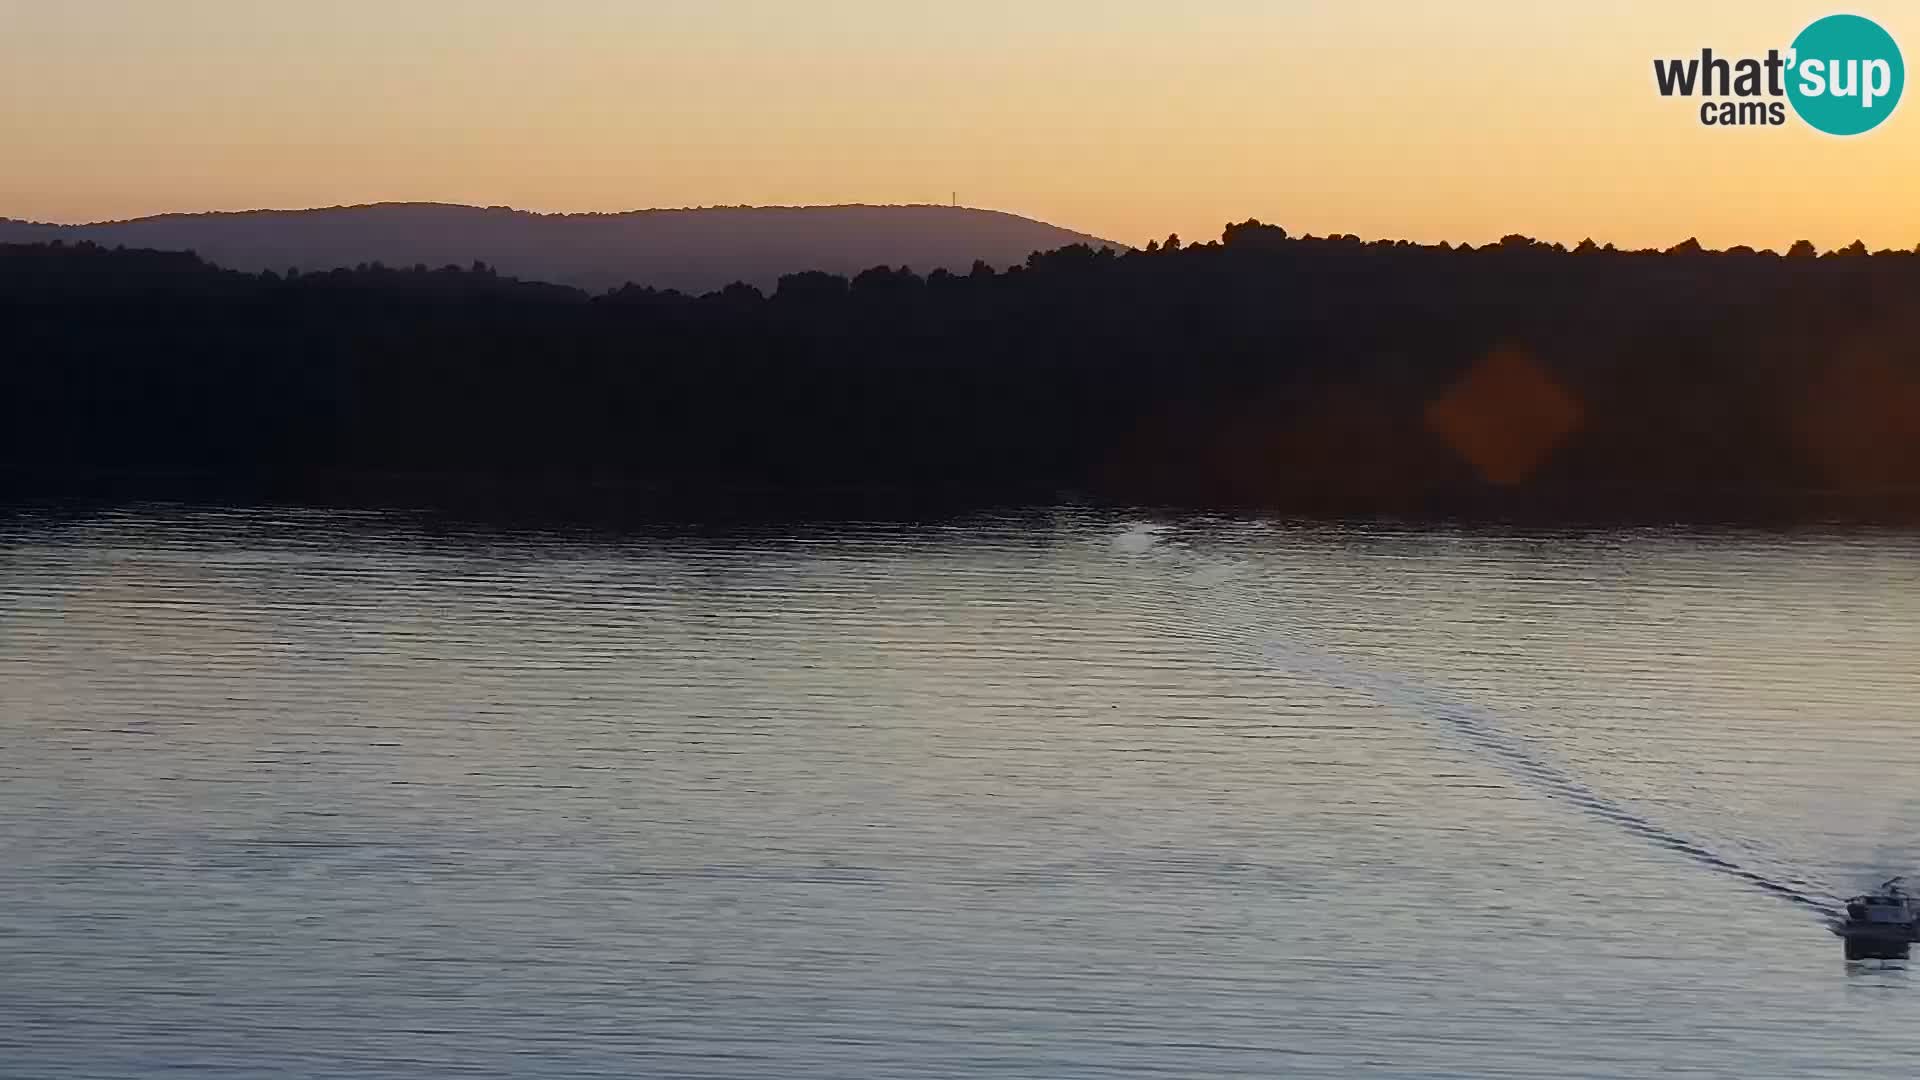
(1125, 118)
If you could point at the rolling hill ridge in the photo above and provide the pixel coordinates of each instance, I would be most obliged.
(693, 250)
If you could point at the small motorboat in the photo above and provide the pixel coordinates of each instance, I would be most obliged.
(1881, 924)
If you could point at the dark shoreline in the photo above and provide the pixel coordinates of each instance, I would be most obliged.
(561, 500)
(1259, 375)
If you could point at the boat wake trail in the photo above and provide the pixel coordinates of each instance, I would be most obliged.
(1478, 727)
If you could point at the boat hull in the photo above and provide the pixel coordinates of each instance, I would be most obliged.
(1870, 941)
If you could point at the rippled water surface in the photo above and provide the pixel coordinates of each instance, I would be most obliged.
(287, 794)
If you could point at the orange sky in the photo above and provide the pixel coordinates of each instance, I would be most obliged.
(1126, 118)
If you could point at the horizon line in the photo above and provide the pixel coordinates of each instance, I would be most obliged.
(503, 208)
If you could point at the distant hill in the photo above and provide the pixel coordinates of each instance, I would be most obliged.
(692, 250)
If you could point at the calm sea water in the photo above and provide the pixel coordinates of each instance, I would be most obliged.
(289, 794)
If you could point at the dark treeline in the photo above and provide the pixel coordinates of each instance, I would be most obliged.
(1257, 371)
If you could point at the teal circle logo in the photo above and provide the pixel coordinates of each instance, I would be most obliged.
(1846, 75)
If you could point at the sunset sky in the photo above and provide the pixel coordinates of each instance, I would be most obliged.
(1129, 119)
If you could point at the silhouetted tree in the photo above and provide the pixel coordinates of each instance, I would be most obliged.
(1312, 372)
(1251, 234)
(811, 286)
(885, 281)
